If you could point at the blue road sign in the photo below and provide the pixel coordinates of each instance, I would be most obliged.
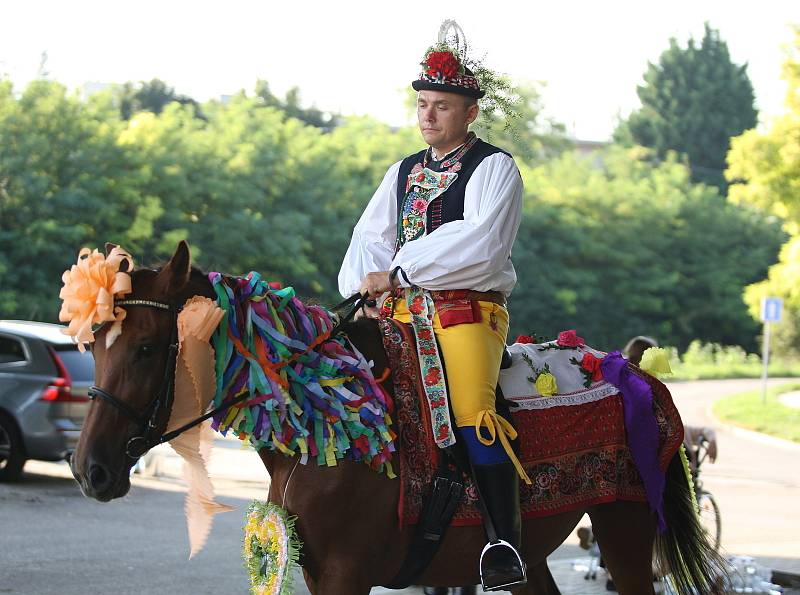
(771, 309)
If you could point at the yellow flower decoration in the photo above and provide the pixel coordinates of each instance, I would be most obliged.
(546, 384)
(655, 361)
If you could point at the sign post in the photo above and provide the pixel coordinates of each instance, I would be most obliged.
(770, 312)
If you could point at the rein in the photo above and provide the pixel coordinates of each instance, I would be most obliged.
(148, 421)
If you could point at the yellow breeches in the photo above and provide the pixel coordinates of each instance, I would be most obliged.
(471, 353)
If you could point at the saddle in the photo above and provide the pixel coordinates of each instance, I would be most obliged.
(571, 443)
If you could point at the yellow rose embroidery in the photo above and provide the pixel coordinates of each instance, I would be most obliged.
(546, 384)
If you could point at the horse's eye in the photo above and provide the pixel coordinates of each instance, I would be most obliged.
(146, 350)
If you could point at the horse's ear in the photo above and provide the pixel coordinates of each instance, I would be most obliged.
(175, 274)
(125, 264)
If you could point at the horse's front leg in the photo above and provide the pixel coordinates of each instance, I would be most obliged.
(340, 577)
(310, 583)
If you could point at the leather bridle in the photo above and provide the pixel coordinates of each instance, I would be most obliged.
(147, 421)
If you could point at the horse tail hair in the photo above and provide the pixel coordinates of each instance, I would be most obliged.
(684, 550)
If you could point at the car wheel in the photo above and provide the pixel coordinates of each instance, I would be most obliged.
(12, 452)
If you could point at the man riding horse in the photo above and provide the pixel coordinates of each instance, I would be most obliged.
(435, 241)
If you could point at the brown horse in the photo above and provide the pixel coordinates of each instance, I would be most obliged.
(346, 515)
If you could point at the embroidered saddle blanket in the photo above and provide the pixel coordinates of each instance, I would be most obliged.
(572, 443)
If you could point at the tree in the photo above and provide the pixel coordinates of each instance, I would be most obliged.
(64, 181)
(152, 96)
(634, 247)
(693, 101)
(312, 116)
(765, 171)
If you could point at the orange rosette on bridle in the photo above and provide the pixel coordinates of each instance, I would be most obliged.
(88, 294)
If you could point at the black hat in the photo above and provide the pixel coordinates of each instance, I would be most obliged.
(442, 70)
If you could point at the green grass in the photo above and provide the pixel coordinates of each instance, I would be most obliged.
(773, 418)
(717, 371)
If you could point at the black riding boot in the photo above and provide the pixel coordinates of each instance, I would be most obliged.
(501, 564)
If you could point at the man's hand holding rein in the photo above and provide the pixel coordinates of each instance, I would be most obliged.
(376, 284)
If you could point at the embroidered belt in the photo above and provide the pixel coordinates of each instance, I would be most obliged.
(454, 306)
(451, 295)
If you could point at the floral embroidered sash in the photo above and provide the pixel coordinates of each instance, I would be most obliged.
(421, 309)
(423, 186)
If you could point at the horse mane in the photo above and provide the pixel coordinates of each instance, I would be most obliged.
(313, 395)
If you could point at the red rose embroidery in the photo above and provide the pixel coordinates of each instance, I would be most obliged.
(420, 177)
(425, 334)
(569, 339)
(416, 305)
(524, 339)
(420, 206)
(433, 376)
(444, 430)
(591, 364)
(442, 64)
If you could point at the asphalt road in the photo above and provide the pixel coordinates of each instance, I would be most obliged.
(756, 480)
(54, 541)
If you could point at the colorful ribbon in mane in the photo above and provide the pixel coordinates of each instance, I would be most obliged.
(311, 395)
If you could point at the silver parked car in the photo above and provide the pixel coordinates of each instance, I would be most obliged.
(44, 384)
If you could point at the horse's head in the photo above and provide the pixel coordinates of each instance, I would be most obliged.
(133, 377)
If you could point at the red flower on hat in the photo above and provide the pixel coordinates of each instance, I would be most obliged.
(442, 64)
(524, 339)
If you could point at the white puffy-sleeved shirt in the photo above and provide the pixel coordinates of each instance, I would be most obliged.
(473, 253)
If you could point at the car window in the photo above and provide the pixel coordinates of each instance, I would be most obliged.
(11, 350)
(79, 365)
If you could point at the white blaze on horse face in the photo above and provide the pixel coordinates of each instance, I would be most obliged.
(112, 334)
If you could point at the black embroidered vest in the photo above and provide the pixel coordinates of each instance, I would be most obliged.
(431, 193)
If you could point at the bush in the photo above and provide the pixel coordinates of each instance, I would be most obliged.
(712, 360)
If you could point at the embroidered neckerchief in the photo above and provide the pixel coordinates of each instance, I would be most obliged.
(423, 186)
(421, 308)
(455, 159)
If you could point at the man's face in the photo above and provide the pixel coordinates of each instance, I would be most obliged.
(444, 118)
